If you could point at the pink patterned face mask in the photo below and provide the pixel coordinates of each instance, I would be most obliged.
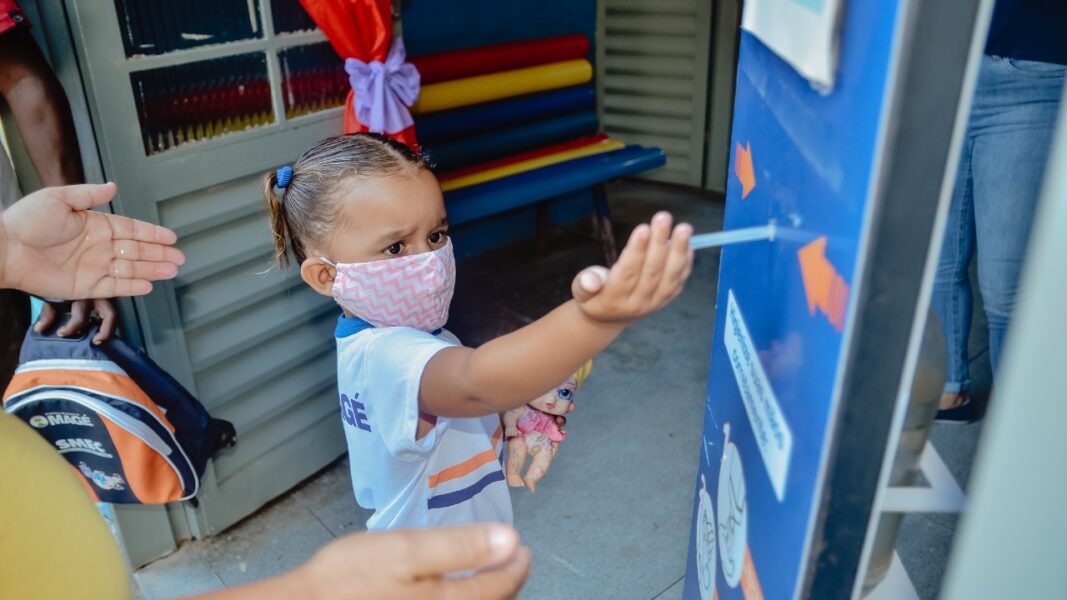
(410, 291)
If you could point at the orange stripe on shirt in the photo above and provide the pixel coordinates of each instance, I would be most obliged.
(468, 466)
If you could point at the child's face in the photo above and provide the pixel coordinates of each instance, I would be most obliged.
(387, 217)
(381, 218)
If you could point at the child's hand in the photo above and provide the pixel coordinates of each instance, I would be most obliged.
(651, 271)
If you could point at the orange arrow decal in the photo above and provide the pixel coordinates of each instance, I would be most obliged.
(750, 587)
(743, 168)
(825, 289)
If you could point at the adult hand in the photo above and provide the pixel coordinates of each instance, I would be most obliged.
(82, 313)
(52, 245)
(651, 271)
(416, 564)
(403, 564)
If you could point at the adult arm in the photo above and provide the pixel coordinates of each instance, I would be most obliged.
(403, 564)
(42, 112)
(40, 108)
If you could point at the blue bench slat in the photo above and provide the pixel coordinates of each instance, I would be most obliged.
(493, 197)
(439, 128)
(471, 151)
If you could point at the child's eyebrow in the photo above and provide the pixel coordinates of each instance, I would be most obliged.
(399, 234)
(392, 236)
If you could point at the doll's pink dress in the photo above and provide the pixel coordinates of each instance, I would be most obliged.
(534, 420)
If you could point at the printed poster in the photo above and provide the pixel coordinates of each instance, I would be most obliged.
(802, 32)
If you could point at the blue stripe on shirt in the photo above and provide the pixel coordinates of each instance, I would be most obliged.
(454, 498)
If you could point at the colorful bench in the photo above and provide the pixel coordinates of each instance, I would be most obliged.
(513, 125)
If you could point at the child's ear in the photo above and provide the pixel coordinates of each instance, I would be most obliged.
(319, 275)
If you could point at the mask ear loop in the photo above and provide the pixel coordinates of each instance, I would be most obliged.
(332, 264)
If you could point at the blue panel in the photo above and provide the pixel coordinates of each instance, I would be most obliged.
(468, 204)
(471, 151)
(435, 26)
(813, 158)
(466, 122)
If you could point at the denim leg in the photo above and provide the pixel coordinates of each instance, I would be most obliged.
(1017, 117)
(952, 301)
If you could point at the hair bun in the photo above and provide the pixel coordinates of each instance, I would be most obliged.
(284, 176)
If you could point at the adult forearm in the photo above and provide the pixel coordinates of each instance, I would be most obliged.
(40, 108)
(43, 115)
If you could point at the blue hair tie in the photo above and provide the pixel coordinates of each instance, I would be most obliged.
(284, 176)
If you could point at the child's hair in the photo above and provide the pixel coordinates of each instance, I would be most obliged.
(307, 209)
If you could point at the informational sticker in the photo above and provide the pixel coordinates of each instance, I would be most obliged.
(802, 32)
(733, 513)
(772, 433)
(706, 543)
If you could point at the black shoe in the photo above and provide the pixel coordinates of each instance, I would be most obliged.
(961, 415)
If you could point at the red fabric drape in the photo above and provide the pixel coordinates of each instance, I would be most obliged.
(360, 29)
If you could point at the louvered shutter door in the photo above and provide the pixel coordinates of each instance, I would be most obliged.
(653, 73)
(186, 126)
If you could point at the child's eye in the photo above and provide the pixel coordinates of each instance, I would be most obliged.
(438, 237)
(395, 249)
(564, 393)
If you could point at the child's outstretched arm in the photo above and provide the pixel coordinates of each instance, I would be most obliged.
(513, 369)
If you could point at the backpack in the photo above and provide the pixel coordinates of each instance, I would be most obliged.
(131, 432)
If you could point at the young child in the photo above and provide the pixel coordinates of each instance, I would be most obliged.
(365, 221)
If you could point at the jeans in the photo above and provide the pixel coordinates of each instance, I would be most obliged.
(1013, 114)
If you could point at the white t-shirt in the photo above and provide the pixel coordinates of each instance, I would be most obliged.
(452, 476)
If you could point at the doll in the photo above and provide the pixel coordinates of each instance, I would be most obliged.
(537, 429)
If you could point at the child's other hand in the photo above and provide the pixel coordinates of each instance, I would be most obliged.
(651, 271)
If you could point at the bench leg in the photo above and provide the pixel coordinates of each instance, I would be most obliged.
(603, 225)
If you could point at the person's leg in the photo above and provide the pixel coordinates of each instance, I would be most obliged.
(1010, 152)
(952, 300)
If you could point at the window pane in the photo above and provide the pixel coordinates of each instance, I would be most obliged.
(202, 100)
(289, 16)
(313, 79)
(158, 26)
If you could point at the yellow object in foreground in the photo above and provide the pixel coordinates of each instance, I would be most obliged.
(505, 84)
(53, 542)
(529, 165)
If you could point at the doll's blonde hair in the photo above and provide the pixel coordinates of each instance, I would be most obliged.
(583, 373)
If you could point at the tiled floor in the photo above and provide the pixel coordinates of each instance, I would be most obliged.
(611, 520)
